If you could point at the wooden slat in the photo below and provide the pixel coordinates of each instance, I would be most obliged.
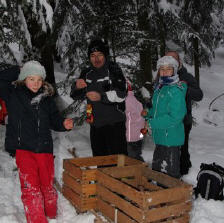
(88, 190)
(89, 204)
(148, 185)
(71, 196)
(72, 183)
(167, 211)
(94, 161)
(82, 204)
(131, 182)
(130, 161)
(119, 172)
(120, 188)
(182, 219)
(120, 160)
(72, 170)
(83, 190)
(88, 175)
(161, 178)
(120, 203)
(109, 211)
(167, 195)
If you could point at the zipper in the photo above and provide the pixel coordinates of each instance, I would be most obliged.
(166, 134)
(157, 100)
(129, 127)
(38, 120)
(19, 133)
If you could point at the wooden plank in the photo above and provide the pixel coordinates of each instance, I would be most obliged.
(89, 204)
(167, 211)
(120, 188)
(140, 185)
(167, 195)
(82, 204)
(72, 169)
(130, 161)
(109, 211)
(182, 219)
(88, 175)
(161, 178)
(119, 172)
(71, 196)
(120, 160)
(125, 206)
(88, 190)
(148, 185)
(131, 182)
(72, 183)
(94, 161)
(83, 190)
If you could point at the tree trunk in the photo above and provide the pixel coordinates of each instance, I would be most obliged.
(145, 51)
(162, 36)
(47, 62)
(196, 60)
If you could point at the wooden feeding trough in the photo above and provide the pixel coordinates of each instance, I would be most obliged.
(79, 178)
(137, 194)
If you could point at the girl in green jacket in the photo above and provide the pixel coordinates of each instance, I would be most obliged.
(165, 118)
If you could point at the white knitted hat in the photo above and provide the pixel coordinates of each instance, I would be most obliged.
(32, 68)
(168, 61)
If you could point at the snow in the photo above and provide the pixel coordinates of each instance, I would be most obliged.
(3, 2)
(206, 145)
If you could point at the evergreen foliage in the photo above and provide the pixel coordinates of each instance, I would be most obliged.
(137, 31)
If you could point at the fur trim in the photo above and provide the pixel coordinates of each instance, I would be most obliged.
(47, 87)
(48, 90)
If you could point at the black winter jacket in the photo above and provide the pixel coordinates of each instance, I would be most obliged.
(110, 82)
(29, 125)
(194, 93)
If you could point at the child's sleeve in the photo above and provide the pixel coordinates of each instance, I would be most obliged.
(8, 74)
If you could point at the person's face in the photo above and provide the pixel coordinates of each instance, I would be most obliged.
(165, 71)
(97, 59)
(34, 83)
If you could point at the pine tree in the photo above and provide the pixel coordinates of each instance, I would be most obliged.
(205, 36)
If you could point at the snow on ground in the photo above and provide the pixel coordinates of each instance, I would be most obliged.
(206, 145)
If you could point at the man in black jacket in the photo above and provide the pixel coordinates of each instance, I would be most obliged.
(104, 86)
(194, 93)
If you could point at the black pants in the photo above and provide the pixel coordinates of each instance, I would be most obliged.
(167, 160)
(108, 139)
(135, 150)
(185, 162)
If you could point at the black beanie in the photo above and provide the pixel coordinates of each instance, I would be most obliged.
(98, 45)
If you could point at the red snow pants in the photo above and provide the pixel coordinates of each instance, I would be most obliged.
(39, 197)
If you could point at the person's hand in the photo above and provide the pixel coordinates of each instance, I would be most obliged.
(144, 112)
(68, 123)
(93, 96)
(80, 83)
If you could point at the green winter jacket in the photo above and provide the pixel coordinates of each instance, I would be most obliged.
(167, 113)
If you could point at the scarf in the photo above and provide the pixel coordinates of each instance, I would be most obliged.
(167, 80)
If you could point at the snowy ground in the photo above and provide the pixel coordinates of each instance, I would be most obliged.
(206, 145)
